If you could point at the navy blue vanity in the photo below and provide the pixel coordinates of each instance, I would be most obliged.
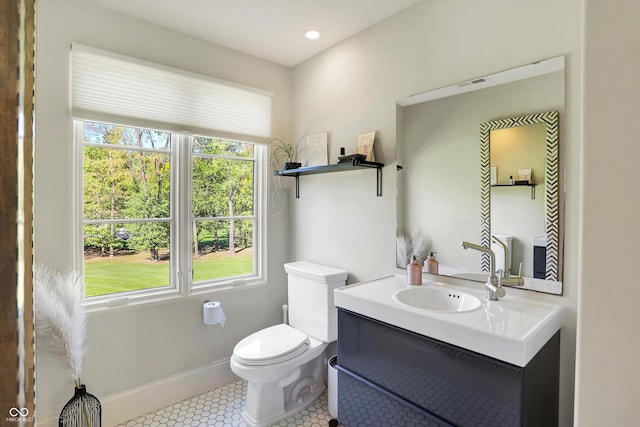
(391, 376)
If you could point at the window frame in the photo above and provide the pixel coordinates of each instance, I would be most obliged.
(181, 267)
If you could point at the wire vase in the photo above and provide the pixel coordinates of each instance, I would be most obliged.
(82, 410)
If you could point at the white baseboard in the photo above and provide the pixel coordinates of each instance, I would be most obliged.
(129, 404)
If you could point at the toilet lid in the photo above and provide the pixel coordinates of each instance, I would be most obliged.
(274, 344)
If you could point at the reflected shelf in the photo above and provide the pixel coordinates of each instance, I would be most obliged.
(533, 187)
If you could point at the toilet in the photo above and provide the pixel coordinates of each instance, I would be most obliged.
(284, 364)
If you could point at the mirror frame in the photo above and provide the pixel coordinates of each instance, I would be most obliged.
(552, 187)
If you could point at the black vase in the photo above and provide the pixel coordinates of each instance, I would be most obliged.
(83, 410)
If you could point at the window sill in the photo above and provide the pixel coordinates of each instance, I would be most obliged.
(124, 302)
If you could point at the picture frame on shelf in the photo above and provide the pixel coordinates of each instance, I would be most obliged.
(317, 149)
(524, 175)
(365, 145)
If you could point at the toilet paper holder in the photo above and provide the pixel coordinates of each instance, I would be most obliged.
(212, 313)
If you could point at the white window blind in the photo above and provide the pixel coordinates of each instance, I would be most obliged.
(107, 87)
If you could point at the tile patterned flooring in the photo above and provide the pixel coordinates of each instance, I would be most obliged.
(222, 407)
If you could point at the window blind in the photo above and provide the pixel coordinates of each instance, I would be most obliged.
(110, 87)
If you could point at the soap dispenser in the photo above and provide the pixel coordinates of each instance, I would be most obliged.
(414, 272)
(432, 264)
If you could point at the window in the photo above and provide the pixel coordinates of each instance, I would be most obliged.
(223, 208)
(127, 223)
(162, 211)
(157, 204)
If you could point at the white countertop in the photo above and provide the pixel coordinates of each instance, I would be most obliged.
(512, 329)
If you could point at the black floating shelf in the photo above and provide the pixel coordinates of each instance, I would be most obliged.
(533, 187)
(337, 167)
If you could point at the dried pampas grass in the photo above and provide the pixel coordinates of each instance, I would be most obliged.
(403, 250)
(407, 247)
(61, 324)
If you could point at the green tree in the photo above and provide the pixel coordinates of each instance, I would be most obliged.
(102, 236)
(148, 235)
(222, 187)
(149, 193)
(105, 183)
(237, 174)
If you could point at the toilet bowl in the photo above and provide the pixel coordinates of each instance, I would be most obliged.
(284, 364)
(285, 373)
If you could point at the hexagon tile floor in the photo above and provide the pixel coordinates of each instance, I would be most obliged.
(223, 407)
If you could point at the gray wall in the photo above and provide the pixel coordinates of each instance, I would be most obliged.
(352, 88)
(132, 346)
(607, 374)
(440, 154)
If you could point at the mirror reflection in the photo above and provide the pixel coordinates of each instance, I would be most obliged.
(517, 210)
(441, 201)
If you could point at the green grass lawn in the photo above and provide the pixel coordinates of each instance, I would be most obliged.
(124, 273)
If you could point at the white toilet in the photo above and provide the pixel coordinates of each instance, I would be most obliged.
(284, 364)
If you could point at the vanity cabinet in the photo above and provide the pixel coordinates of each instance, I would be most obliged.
(393, 377)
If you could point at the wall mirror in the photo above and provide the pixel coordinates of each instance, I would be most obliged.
(445, 191)
(511, 144)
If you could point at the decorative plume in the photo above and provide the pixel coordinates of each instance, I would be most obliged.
(403, 250)
(60, 316)
(420, 247)
(407, 247)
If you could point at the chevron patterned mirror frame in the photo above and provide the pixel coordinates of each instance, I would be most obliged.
(552, 186)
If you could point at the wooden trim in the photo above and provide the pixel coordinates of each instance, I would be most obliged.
(29, 117)
(16, 42)
(8, 203)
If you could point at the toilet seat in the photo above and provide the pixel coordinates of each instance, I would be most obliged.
(272, 345)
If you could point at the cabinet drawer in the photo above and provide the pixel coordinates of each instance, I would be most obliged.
(361, 403)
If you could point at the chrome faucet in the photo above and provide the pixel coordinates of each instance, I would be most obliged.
(505, 275)
(493, 285)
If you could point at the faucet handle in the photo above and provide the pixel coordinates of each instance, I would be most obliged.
(495, 291)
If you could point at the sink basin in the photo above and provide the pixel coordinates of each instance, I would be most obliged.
(435, 299)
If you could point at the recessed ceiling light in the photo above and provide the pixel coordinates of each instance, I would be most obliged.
(312, 34)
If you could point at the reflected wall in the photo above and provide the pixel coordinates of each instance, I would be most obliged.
(439, 150)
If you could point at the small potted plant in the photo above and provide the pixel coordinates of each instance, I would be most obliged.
(283, 154)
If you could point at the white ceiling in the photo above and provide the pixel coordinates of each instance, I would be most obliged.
(268, 29)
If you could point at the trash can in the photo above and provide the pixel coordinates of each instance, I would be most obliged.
(332, 385)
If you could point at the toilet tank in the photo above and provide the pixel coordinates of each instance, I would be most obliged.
(311, 306)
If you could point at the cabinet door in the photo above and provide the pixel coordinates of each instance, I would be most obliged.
(459, 386)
